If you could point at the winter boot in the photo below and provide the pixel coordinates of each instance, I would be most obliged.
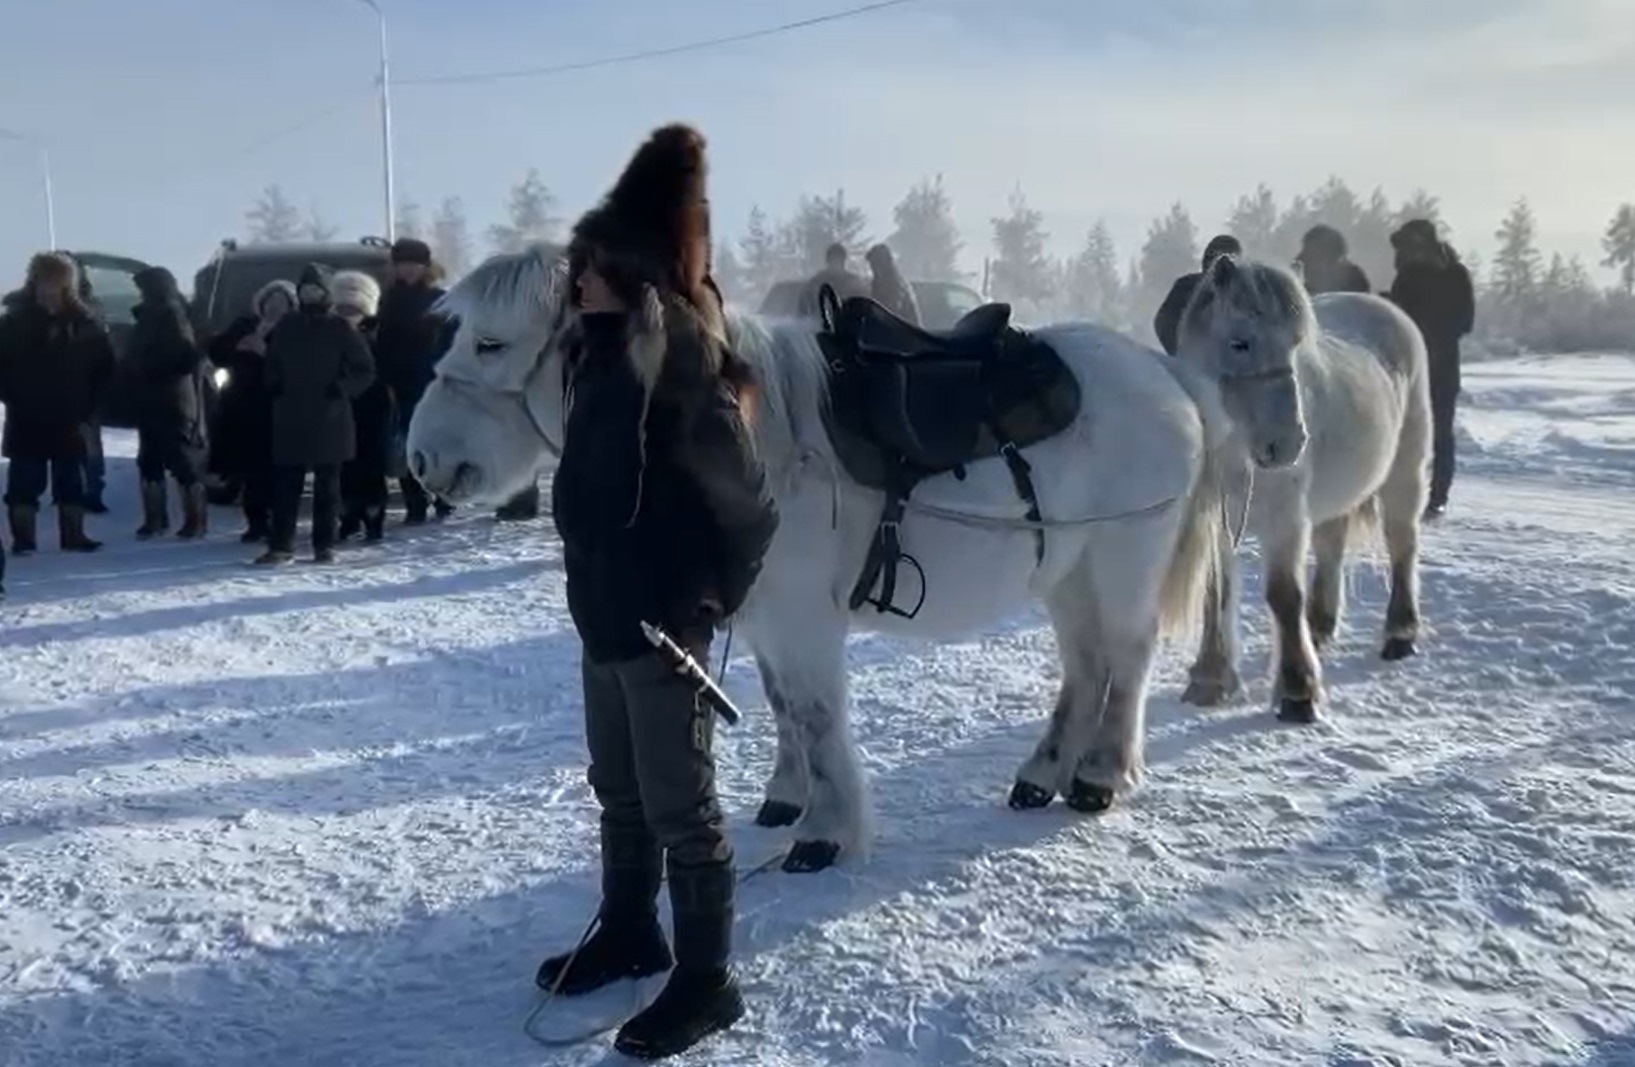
(520, 508)
(23, 529)
(71, 529)
(195, 512)
(702, 996)
(256, 528)
(442, 509)
(275, 556)
(628, 941)
(351, 524)
(155, 511)
(374, 525)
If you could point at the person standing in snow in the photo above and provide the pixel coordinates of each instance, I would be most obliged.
(889, 288)
(243, 445)
(1325, 266)
(408, 342)
(1167, 323)
(1435, 290)
(663, 511)
(170, 429)
(56, 360)
(374, 413)
(317, 364)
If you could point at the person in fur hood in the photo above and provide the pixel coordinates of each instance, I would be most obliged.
(242, 445)
(662, 507)
(374, 416)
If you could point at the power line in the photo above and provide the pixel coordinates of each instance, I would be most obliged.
(654, 53)
(296, 127)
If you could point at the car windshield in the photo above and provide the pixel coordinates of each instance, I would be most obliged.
(113, 291)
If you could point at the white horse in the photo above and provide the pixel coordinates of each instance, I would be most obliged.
(1127, 491)
(1360, 364)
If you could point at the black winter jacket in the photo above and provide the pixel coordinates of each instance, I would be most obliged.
(1167, 323)
(663, 518)
(54, 370)
(169, 367)
(408, 342)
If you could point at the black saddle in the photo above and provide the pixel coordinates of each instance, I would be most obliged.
(906, 404)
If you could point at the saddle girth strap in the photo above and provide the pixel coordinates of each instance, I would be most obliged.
(1022, 477)
(885, 552)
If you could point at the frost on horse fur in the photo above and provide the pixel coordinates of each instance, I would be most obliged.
(1359, 380)
(495, 413)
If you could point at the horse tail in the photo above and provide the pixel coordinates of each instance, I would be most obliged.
(1196, 561)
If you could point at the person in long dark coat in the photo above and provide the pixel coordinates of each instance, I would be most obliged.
(836, 274)
(317, 364)
(1435, 289)
(374, 413)
(1325, 264)
(409, 341)
(56, 360)
(1167, 323)
(889, 288)
(170, 430)
(242, 447)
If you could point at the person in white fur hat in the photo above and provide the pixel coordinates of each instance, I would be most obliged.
(374, 413)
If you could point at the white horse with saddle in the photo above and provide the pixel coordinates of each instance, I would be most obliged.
(930, 485)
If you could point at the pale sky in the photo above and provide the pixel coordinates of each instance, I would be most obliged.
(1110, 108)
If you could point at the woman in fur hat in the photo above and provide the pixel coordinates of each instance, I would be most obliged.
(661, 505)
(363, 479)
(55, 363)
(242, 447)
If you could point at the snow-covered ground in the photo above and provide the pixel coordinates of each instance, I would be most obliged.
(336, 816)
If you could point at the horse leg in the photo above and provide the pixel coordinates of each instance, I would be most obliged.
(1299, 676)
(1045, 771)
(1328, 586)
(786, 790)
(1213, 679)
(1128, 571)
(808, 668)
(1402, 503)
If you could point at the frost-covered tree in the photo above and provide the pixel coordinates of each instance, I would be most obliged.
(823, 221)
(317, 228)
(926, 240)
(274, 217)
(1091, 288)
(1516, 264)
(530, 215)
(1020, 269)
(1619, 245)
(451, 236)
(1253, 221)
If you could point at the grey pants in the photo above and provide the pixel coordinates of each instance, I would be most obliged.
(653, 771)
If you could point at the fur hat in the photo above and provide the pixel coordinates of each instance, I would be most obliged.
(277, 285)
(652, 230)
(355, 289)
(53, 267)
(411, 250)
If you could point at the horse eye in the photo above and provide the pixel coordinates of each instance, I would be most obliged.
(1238, 345)
(488, 346)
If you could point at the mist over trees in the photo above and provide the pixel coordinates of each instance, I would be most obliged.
(1528, 298)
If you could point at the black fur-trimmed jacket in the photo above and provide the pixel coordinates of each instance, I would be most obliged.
(659, 497)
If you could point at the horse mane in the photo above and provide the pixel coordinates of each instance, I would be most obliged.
(522, 288)
(1258, 289)
(792, 386)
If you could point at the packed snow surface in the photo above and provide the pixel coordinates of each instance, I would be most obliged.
(337, 816)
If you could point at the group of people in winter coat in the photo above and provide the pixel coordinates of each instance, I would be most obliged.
(1432, 286)
(886, 285)
(324, 374)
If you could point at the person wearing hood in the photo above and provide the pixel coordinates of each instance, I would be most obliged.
(242, 448)
(889, 288)
(56, 360)
(170, 429)
(1325, 266)
(317, 365)
(1434, 288)
(374, 413)
(1167, 323)
(410, 340)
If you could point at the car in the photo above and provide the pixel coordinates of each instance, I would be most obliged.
(224, 287)
(941, 303)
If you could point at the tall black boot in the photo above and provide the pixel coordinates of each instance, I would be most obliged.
(24, 528)
(155, 511)
(628, 941)
(71, 534)
(702, 996)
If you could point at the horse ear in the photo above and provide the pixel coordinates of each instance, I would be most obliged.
(1224, 271)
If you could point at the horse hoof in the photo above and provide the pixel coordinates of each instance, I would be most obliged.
(1089, 798)
(777, 813)
(1300, 711)
(1027, 797)
(808, 857)
(1398, 648)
